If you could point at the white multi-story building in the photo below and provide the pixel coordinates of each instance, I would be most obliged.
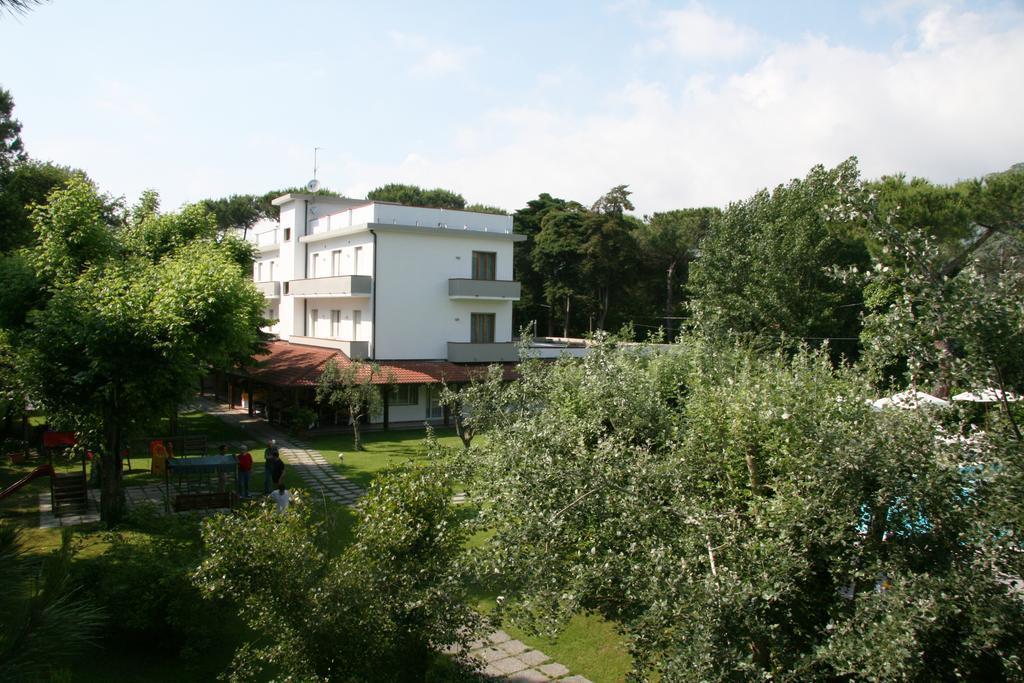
(421, 292)
(381, 281)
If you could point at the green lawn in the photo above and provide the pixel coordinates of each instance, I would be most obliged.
(383, 449)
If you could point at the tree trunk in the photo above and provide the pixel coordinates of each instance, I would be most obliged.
(354, 412)
(112, 505)
(669, 290)
(604, 295)
(565, 324)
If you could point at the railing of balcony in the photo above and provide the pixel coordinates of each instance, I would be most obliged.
(472, 352)
(339, 285)
(269, 289)
(465, 288)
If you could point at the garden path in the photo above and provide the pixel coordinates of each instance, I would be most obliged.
(502, 657)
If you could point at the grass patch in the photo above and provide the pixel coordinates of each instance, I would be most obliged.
(383, 449)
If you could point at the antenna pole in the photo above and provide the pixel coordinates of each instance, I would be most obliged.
(315, 150)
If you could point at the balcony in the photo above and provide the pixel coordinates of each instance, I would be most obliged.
(270, 290)
(355, 350)
(474, 352)
(339, 285)
(502, 290)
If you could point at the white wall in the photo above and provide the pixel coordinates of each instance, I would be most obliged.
(415, 317)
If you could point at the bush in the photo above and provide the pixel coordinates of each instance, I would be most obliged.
(143, 583)
(379, 612)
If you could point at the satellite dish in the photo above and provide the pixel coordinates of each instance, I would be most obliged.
(313, 185)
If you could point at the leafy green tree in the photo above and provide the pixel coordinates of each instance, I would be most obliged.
(125, 322)
(236, 212)
(413, 195)
(944, 299)
(485, 208)
(748, 517)
(556, 258)
(25, 184)
(379, 612)
(12, 149)
(532, 305)
(461, 399)
(351, 388)
(610, 250)
(668, 244)
(764, 269)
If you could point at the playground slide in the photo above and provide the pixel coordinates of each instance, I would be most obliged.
(41, 471)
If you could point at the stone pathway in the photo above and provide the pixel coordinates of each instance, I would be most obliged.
(501, 657)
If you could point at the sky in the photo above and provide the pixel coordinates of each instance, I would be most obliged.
(689, 103)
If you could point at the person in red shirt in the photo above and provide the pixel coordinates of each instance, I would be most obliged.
(244, 471)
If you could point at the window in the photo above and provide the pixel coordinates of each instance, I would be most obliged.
(405, 395)
(259, 272)
(287, 234)
(336, 324)
(271, 268)
(313, 315)
(336, 262)
(434, 408)
(481, 328)
(483, 265)
(357, 318)
(355, 263)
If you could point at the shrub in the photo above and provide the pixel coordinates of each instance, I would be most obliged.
(379, 612)
(143, 582)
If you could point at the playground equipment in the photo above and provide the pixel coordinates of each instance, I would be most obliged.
(69, 493)
(202, 482)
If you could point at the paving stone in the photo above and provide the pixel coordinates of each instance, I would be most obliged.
(576, 679)
(533, 657)
(513, 647)
(490, 654)
(554, 669)
(528, 676)
(509, 665)
(491, 672)
(499, 637)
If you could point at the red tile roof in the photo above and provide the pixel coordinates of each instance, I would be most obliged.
(297, 365)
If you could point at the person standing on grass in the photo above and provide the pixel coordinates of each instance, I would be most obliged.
(244, 471)
(277, 471)
(271, 454)
(281, 497)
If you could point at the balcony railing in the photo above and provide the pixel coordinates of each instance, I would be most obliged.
(339, 285)
(270, 290)
(355, 350)
(474, 352)
(464, 288)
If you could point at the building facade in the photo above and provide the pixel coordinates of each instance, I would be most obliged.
(424, 293)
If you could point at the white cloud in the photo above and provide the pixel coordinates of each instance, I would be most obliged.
(695, 33)
(949, 108)
(430, 58)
